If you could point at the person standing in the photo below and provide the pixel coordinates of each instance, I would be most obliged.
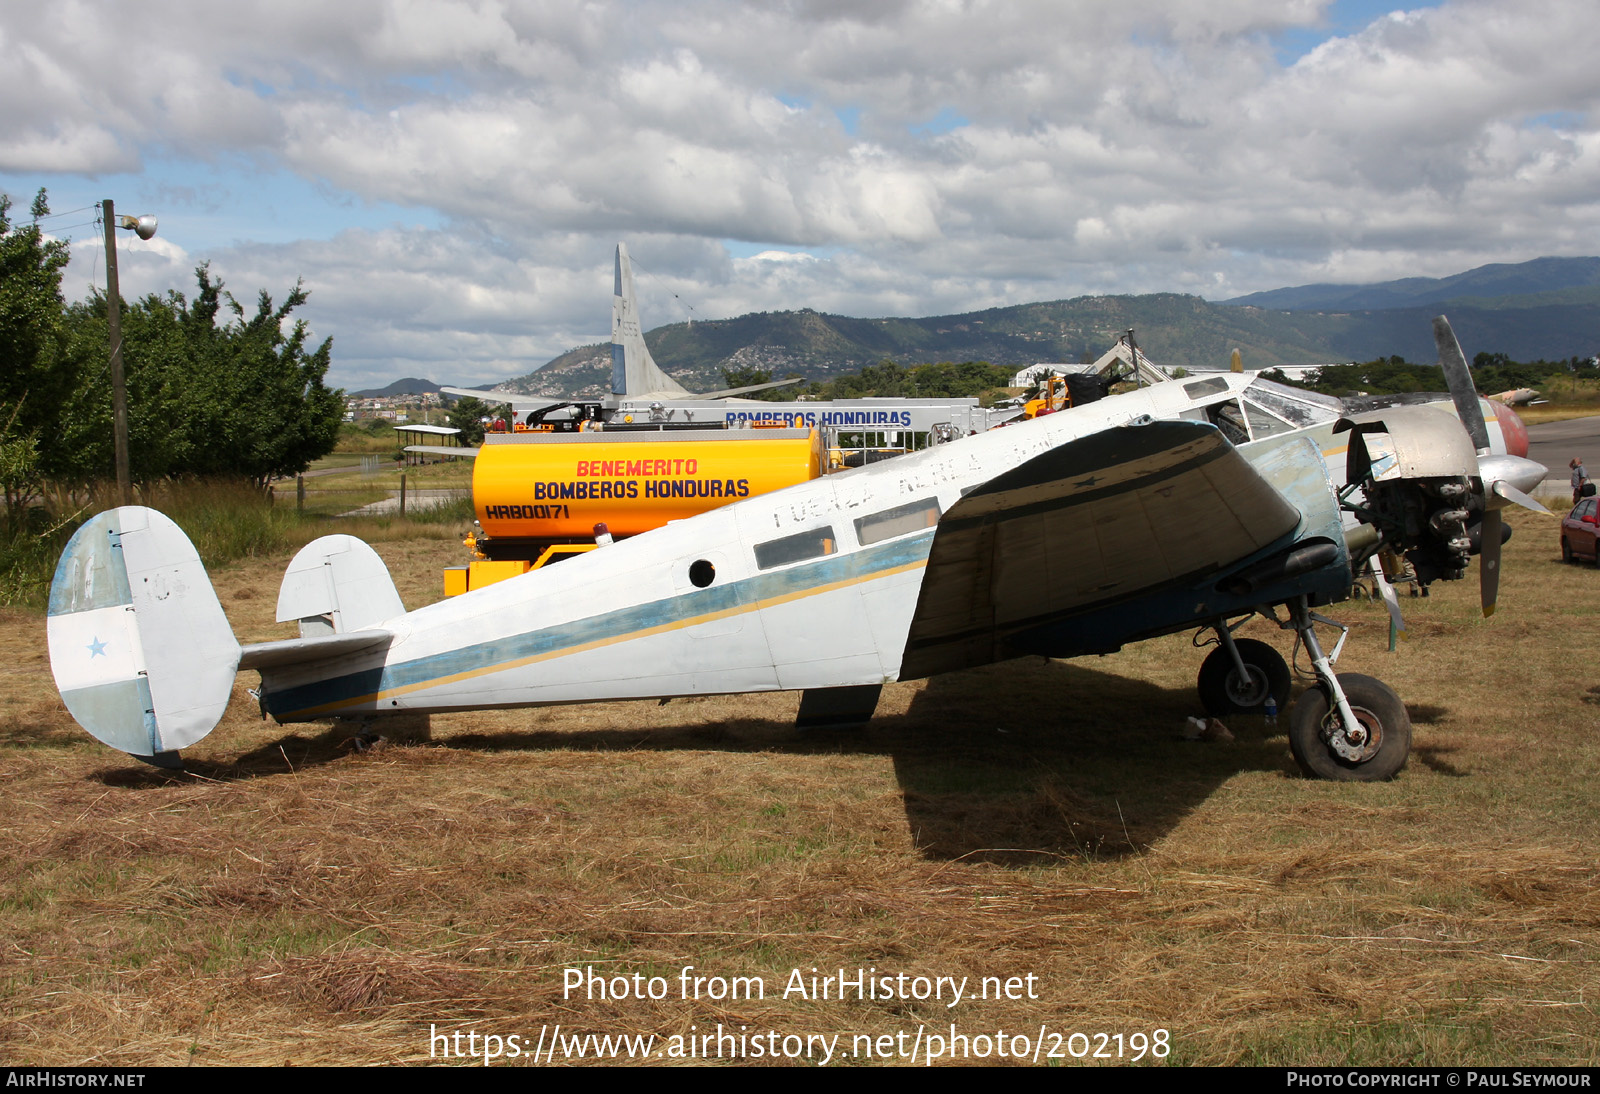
(1580, 477)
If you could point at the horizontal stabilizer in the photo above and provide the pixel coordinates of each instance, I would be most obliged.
(139, 646)
(294, 651)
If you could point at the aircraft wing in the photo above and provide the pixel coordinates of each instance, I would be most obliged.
(295, 651)
(443, 450)
(735, 392)
(1117, 528)
(520, 402)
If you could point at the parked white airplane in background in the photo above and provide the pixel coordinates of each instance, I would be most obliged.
(641, 393)
(1191, 503)
(1521, 396)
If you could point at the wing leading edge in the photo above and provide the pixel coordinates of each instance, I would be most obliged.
(1100, 541)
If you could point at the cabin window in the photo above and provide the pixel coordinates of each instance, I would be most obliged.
(701, 573)
(796, 548)
(1201, 388)
(902, 520)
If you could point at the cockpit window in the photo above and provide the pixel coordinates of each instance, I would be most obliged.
(1226, 417)
(1294, 405)
(1263, 423)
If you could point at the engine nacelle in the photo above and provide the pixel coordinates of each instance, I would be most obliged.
(1408, 462)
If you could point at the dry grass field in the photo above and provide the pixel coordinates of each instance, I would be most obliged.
(292, 900)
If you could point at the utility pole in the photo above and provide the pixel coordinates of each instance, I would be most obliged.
(119, 389)
(145, 227)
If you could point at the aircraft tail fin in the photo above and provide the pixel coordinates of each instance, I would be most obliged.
(140, 648)
(335, 585)
(633, 370)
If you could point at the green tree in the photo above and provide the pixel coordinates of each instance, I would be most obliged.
(19, 470)
(33, 382)
(157, 370)
(467, 414)
(266, 395)
(237, 398)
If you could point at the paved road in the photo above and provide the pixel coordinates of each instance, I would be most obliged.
(415, 499)
(1554, 443)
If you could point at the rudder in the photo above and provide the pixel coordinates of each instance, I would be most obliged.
(633, 371)
(141, 651)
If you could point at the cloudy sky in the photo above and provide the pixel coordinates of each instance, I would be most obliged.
(449, 177)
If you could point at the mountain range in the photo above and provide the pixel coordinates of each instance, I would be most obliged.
(1547, 308)
(410, 385)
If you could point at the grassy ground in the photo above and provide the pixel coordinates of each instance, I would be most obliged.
(294, 901)
(1559, 412)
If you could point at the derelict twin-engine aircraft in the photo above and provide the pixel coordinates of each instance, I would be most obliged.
(1190, 503)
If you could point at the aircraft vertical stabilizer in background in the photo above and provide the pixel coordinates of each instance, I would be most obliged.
(634, 373)
(635, 376)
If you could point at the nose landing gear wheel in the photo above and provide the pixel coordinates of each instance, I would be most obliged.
(1376, 749)
(1222, 691)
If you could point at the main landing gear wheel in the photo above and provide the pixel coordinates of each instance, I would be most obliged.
(1325, 749)
(1222, 691)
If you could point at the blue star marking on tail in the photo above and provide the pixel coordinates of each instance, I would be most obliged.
(96, 648)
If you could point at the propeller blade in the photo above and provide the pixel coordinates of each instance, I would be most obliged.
(1511, 493)
(1489, 562)
(1386, 590)
(1459, 377)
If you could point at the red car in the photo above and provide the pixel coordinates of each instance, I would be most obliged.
(1579, 530)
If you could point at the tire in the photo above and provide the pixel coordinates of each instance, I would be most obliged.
(1376, 707)
(1222, 692)
(1566, 551)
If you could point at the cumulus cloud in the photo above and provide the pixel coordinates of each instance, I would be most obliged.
(936, 156)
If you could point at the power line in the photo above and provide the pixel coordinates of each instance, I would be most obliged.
(79, 224)
(693, 315)
(69, 212)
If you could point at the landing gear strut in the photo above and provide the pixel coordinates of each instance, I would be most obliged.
(1349, 727)
(1239, 675)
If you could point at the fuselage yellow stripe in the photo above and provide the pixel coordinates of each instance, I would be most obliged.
(601, 643)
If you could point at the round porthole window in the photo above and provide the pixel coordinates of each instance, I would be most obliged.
(701, 573)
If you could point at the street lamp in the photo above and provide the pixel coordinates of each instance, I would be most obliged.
(144, 227)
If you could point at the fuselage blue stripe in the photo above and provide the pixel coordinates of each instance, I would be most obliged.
(609, 627)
